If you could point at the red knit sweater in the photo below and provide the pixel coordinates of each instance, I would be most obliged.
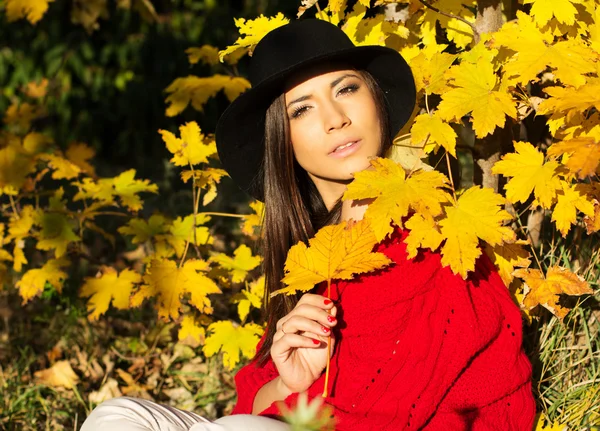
(418, 348)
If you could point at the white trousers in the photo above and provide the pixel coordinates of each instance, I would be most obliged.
(135, 414)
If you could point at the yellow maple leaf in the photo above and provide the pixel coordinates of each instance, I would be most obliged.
(592, 223)
(15, 165)
(101, 190)
(33, 281)
(431, 132)
(109, 287)
(207, 54)
(79, 153)
(251, 296)
(207, 178)
(20, 226)
(240, 264)
(56, 232)
(335, 252)
(477, 215)
(544, 10)
(198, 91)
(542, 423)
(19, 258)
(424, 233)
(87, 13)
(569, 200)
(568, 98)
(395, 195)
(507, 257)
(33, 10)
(143, 230)
(252, 31)
(231, 340)
(61, 374)
(584, 155)
(476, 92)
(63, 168)
(37, 90)
(21, 115)
(254, 220)
(192, 148)
(170, 284)
(529, 174)
(182, 230)
(429, 71)
(35, 143)
(571, 59)
(191, 328)
(127, 188)
(545, 291)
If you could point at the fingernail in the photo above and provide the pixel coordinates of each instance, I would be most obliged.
(316, 341)
(325, 329)
(327, 301)
(331, 319)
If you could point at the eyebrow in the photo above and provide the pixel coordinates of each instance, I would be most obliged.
(332, 85)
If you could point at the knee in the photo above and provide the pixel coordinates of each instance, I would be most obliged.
(109, 411)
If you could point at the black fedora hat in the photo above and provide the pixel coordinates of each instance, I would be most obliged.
(282, 53)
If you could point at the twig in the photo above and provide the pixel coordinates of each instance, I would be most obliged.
(449, 15)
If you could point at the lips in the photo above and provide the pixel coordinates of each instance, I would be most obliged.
(347, 143)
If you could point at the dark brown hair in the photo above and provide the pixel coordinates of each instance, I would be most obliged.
(294, 209)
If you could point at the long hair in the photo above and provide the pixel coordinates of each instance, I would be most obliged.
(294, 209)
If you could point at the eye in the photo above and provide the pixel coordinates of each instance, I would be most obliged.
(299, 111)
(348, 89)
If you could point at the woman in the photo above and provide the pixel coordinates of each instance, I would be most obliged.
(415, 347)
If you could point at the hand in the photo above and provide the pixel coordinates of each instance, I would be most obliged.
(299, 349)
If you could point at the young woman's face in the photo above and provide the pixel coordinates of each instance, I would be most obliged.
(334, 128)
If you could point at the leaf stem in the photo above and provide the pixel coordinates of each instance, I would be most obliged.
(449, 15)
(226, 214)
(450, 175)
(326, 388)
(14, 207)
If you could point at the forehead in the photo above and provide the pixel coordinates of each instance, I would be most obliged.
(321, 74)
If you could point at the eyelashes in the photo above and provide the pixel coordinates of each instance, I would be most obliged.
(303, 109)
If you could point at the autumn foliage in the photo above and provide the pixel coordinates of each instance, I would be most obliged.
(479, 91)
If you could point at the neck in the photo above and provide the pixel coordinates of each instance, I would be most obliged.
(330, 191)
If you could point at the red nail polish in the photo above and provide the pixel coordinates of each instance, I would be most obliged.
(327, 301)
(331, 319)
(316, 341)
(325, 329)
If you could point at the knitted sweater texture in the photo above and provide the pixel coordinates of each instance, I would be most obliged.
(419, 348)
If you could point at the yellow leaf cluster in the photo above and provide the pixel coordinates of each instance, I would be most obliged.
(207, 54)
(335, 252)
(250, 297)
(394, 195)
(231, 339)
(252, 31)
(475, 91)
(169, 284)
(254, 220)
(192, 148)
(239, 265)
(33, 281)
(108, 287)
(33, 10)
(198, 91)
(529, 173)
(545, 290)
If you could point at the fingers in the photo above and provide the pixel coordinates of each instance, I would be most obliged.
(294, 341)
(312, 307)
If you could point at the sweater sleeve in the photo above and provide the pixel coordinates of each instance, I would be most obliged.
(249, 379)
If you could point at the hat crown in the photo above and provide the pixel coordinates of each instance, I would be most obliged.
(293, 44)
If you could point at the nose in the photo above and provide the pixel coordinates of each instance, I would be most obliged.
(335, 117)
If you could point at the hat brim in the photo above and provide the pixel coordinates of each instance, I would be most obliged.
(240, 130)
